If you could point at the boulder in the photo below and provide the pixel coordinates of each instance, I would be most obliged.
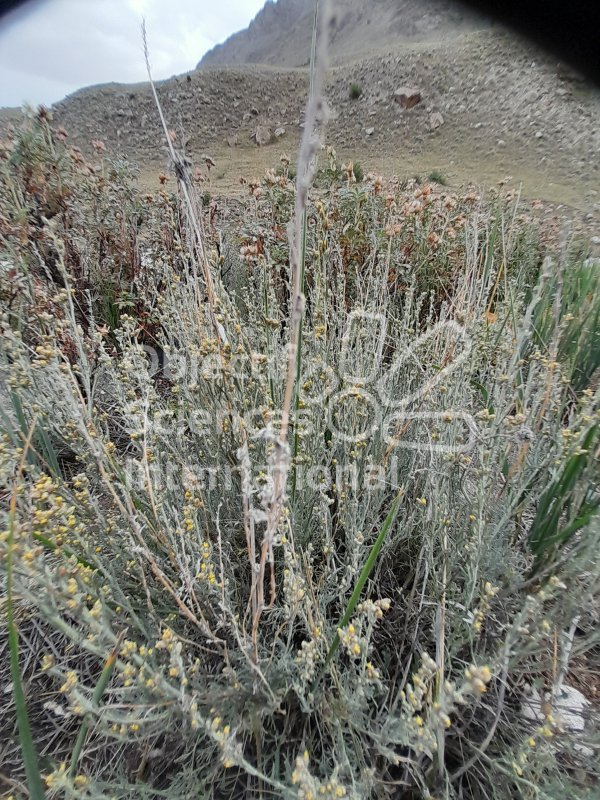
(262, 135)
(407, 96)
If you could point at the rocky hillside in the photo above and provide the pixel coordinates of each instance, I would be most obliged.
(281, 32)
(490, 106)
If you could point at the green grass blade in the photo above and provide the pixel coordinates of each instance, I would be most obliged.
(585, 517)
(484, 394)
(96, 697)
(44, 449)
(49, 452)
(30, 760)
(545, 531)
(8, 428)
(556, 495)
(20, 415)
(50, 545)
(362, 579)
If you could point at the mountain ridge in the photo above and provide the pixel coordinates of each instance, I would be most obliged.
(281, 31)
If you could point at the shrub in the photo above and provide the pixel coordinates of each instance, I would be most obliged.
(355, 91)
(435, 176)
(412, 583)
(64, 215)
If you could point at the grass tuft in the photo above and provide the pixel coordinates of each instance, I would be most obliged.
(435, 176)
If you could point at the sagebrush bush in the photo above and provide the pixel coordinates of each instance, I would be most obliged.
(446, 377)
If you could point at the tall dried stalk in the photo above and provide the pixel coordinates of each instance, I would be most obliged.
(280, 462)
(182, 172)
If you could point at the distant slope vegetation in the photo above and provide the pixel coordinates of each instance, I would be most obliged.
(492, 104)
(280, 33)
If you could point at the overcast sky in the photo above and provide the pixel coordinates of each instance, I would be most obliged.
(50, 48)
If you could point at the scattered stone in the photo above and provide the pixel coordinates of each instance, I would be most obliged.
(407, 96)
(369, 131)
(569, 706)
(279, 132)
(509, 99)
(262, 135)
(436, 121)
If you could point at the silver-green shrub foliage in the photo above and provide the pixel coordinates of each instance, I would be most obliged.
(425, 375)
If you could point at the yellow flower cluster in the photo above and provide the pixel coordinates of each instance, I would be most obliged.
(59, 779)
(417, 689)
(223, 736)
(374, 609)
(206, 570)
(309, 788)
(350, 639)
(307, 657)
(477, 678)
(71, 679)
(423, 718)
(167, 641)
(489, 592)
(294, 585)
(44, 354)
(545, 731)
(52, 517)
